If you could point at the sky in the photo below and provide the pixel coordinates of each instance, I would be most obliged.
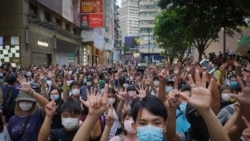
(119, 3)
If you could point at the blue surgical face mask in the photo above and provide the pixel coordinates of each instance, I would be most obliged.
(149, 133)
(182, 107)
(168, 89)
(56, 97)
(233, 84)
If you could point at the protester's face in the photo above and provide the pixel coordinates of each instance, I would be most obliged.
(146, 118)
(35, 77)
(226, 91)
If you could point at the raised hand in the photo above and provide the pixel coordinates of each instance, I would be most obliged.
(97, 103)
(122, 94)
(200, 95)
(25, 86)
(246, 132)
(142, 91)
(162, 76)
(109, 117)
(50, 108)
(174, 99)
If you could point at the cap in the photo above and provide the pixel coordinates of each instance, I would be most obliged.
(24, 96)
(169, 81)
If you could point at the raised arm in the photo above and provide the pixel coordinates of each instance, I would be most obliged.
(201, 99)
(45, 129)
(97, 105)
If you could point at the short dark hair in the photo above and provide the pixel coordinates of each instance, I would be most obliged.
(152, 104)
(71, 107)
(74, 83)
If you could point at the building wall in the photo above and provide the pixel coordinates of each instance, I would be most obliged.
(129, 18)
(37, 37)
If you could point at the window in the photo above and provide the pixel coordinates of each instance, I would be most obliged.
(59, 22)
(67, 26)
(47, 17)
(32, 10)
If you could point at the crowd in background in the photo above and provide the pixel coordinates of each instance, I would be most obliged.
(201, 101)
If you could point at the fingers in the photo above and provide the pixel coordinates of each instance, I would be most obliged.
(211, 84)
(191, 81)
(204, 79)
(185, 96)
(247, 124)
(106, 89)
(197, 78)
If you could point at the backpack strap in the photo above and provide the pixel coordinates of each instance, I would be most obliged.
(23, 128)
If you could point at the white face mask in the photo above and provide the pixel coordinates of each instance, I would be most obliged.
(111, 101)
(25, 106)
(89, 83)
(128, 125)
(125, 85)
(156, 83)
(102, 91)
(70, 123)
(225, 97)
(76, 92)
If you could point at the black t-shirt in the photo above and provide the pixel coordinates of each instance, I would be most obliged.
(62, 135)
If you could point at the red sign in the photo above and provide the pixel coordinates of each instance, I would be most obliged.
(92, 13)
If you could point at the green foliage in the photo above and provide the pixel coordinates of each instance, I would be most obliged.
(197, 23)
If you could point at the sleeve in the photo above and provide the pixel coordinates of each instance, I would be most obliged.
(9, 127)
(223, 116)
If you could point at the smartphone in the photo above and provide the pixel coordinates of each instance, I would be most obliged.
(206, 64)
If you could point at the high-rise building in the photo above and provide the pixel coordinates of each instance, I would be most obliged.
(148, 10)
(129, 18)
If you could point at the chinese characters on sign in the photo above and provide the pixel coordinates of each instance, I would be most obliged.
(92, 13)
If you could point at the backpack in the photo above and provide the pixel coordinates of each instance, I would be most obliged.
(8, 101)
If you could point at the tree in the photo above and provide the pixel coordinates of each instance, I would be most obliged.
(203, 19)
(171, 34)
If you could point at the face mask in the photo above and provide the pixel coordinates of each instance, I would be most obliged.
(111, 101)
(233, 84)
(85, 80)
(89, 83)
(25, 106)
(131, 77)
(125, 85)
(168, 89)
(156, 83)
(56, 97)
(70, 123)
(59, 83)
(128, 125)
(182, 107)
(131, 93)
(225, 97)
(149, 133)
(75, 91)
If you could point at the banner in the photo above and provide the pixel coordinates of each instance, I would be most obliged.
(92, 13)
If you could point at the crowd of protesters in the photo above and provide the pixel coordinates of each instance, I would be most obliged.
(186, 101)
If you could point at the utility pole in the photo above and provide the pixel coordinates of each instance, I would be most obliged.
(148, 46)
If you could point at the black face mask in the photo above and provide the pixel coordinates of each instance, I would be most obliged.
(198, 129)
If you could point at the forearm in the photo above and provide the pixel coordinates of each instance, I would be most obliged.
(54, 83)
(86, 128)
(120, 108)
(105, 134)
(216, 131)
(230, 123)
(45, 129)
(161, 92)
(171, 127)
(65, 92)
(39, 98)
(97, 130)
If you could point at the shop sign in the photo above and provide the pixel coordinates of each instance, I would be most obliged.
(40, 43)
